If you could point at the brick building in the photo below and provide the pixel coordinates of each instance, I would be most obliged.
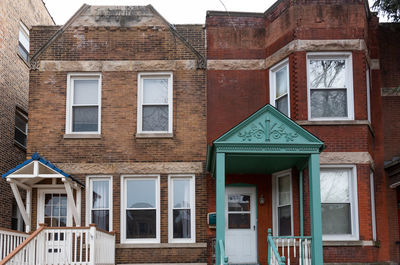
(290, 106)
(321, 63)
(118, 104)
(17, 18)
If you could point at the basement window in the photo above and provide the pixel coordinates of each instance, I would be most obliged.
(23, 41)
(154, 103)
(330, 86)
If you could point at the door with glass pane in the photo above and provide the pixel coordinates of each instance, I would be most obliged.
(53, 211)
(240, 224)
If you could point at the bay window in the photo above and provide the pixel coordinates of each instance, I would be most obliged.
(279, 87)
(330, 86)
(339, 202)
(282, 201)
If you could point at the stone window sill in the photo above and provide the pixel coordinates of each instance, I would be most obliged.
(349, 243)
(82, 136)
(154, 135)
(162, 245)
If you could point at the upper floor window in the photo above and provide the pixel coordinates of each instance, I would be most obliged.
(279, 87)
(154, 103)
(330, 86)
(21, 128)
(339, 202)
(368, 80)
(181, 210)
(282, 201)
(84, 103)
(100, 202)
(23, 41)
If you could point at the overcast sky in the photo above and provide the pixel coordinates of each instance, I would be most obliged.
(175, 11)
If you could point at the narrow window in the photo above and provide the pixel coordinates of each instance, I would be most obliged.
(84, 104)
(23, 41)
(21, 128)
(155, 103)
(283, 204)
(279, 87)
(373, 216)
(141, 209)
(181, 209)
(339, 203)
(17, 222)
(100, 202)
(368, 79)
(330, 86)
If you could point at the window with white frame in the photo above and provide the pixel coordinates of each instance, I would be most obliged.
(84, 103)
(330, 86)
(141, 209)
(181, 210)
(21, 128)
(23, 41)
(282, 201)
(279, 87)
(100, 202)
(154, 103)
(373, 216)
(339, 202)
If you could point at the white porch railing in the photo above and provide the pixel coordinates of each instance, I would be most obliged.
(64, 246)
(287, 250)
(9, 240)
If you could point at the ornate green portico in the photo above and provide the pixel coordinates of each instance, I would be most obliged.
(267, 142)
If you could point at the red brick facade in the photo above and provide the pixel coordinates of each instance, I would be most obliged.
(234, 94)
(14, 87)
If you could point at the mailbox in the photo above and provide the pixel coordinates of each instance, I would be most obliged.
(211, 220)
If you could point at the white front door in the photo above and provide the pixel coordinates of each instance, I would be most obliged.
(241, 224)
(53, 211)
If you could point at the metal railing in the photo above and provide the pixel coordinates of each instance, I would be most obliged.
(286, 250)
(222, 258)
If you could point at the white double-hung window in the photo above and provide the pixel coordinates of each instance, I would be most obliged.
(181, 209)
(279, 87)
(154, 103)
(23, 41)
(330, 86)
(100, 201)
(140, 209)
(339, 202)
(83, 103)
(282, 203)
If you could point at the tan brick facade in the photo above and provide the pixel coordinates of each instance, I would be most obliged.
(119, 53)
(14, 86)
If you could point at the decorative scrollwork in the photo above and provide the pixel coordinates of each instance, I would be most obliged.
(254, 132)
(279, 131)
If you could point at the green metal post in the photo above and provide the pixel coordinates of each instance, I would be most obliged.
(301, 203)
(315, 209)
(220, 197)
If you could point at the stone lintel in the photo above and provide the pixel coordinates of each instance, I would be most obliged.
(132, 168)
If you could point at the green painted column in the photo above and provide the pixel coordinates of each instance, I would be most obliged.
(220, 198)
(315, 209)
